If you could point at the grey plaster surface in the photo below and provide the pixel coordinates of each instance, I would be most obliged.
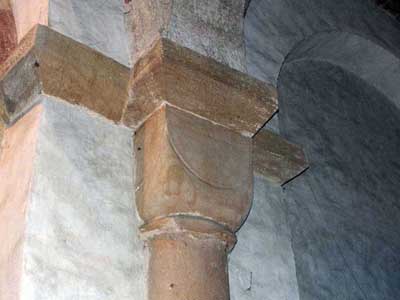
(273, 28)
(121, 29)
(81, 237)
(99, 24)
(336, 67)
(211, 27)
(344, 211)
(261, 265)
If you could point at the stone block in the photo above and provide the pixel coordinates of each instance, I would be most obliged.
(198, 84)
(276, 159)
(50, 63)
(190, 166)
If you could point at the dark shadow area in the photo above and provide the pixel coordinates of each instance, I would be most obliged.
(344, 212)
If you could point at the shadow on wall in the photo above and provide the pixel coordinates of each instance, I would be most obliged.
(339, 98)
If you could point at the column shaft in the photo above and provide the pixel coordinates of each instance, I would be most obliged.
(188, 268)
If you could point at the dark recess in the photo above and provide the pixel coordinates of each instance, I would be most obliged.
(390, 6)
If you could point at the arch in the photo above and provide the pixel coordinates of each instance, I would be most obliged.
(273, 28)
(336, 65)
(358, 55)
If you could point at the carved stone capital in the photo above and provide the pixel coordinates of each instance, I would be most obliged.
(194, 187)
(189, 166)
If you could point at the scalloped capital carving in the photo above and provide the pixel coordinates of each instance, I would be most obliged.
(189, 166)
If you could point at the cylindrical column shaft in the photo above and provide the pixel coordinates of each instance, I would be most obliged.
(188, 268)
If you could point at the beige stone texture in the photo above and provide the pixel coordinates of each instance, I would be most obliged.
(187, 269)
(16, 167)
(198, 84)
(5, 4)
(276, 159)
(189, 166)
(48, 62)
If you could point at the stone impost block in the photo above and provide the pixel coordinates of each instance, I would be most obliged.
(275, 159)
(189, 166)
(50, 63)
(198, 84)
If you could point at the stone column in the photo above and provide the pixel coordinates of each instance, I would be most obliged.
(195, 117)
(194, 189)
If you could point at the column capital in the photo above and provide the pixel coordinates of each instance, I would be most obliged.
(188, 166)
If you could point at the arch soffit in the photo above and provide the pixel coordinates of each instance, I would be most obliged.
(354, 53)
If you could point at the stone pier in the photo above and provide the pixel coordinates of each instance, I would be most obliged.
(96, 154)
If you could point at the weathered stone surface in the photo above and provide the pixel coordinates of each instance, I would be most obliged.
(271, 35)
(48, 62)
(262, 265)
(195, 83)
(344, 211)
(79, 239)
(19, 87)
(2, 128)
(177, 226)
(8, 32)
(16, 169)
(29, 13)
(189, 166)
(188, 268)
(213, 28)
(276, 159)
(97, 24)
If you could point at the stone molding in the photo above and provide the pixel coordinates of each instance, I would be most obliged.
(198, 84)
(48, 62)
